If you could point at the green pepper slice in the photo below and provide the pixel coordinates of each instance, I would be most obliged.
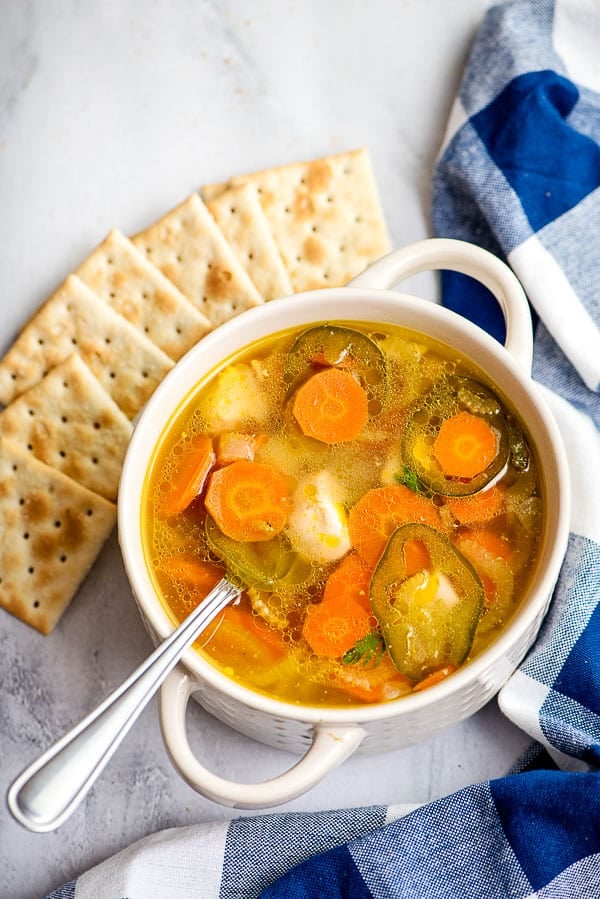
(447, 398)
(428, 620)
(267, 565)
(336, 346)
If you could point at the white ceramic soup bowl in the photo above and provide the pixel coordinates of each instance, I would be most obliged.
(327, 736)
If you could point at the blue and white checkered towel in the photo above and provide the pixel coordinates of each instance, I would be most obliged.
(519, 174)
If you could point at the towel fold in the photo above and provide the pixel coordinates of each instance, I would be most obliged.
(519, 174)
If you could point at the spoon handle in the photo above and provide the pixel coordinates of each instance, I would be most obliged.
(49, 790)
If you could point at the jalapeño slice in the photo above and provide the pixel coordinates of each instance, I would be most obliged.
(338, 347)
(448, 398)
(267, 565)
(428, 618)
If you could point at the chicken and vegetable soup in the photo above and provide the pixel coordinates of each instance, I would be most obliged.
(374, 494)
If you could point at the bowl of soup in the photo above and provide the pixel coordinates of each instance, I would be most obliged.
(386, 486)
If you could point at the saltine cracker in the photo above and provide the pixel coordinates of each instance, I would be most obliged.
(127, 364)
(52, 531)
(239, 215)
(189, 249)
(325, 217)
(121, 275)
(68, 421)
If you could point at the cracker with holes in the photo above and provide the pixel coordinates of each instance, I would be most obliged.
(126, 363)
(121, 275)
(325, 217)
(189, 249)
(239, 215)
(70, 422)
(52, 531)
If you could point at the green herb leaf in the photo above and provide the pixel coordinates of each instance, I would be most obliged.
(409, 478)
(368, 649)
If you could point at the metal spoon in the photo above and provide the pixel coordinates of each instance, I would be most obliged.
(50, 789)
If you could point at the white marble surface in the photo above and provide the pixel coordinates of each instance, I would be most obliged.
(110, 114)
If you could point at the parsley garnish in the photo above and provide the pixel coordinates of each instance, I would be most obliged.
(367, 649)
(409, 478)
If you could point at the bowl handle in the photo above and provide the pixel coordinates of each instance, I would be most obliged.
(469, 259)
(329, 748)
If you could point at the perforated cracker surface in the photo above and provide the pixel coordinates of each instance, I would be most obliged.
(190, 250)
(69, 422)
(52, 531)
(325, 217)
(126, 363)
(123, 277)
(239, 215)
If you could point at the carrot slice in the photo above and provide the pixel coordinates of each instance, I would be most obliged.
(380, 511)
(194, 573)
(193, 466)
(249, 501)
(377, 684)
(435, 678)
(490, 541)
(477, 508)
(331, 628)
(491, 557)
(350, 582)
(190, 581)
(245, 638)
(416, 557)
(331, 406)
(465, 445)
(490, 590)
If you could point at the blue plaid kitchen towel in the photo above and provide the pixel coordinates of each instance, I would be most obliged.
(519, 174)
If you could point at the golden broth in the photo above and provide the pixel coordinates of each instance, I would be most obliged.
(427, 564)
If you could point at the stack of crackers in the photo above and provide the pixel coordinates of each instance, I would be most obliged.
(84, 365)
